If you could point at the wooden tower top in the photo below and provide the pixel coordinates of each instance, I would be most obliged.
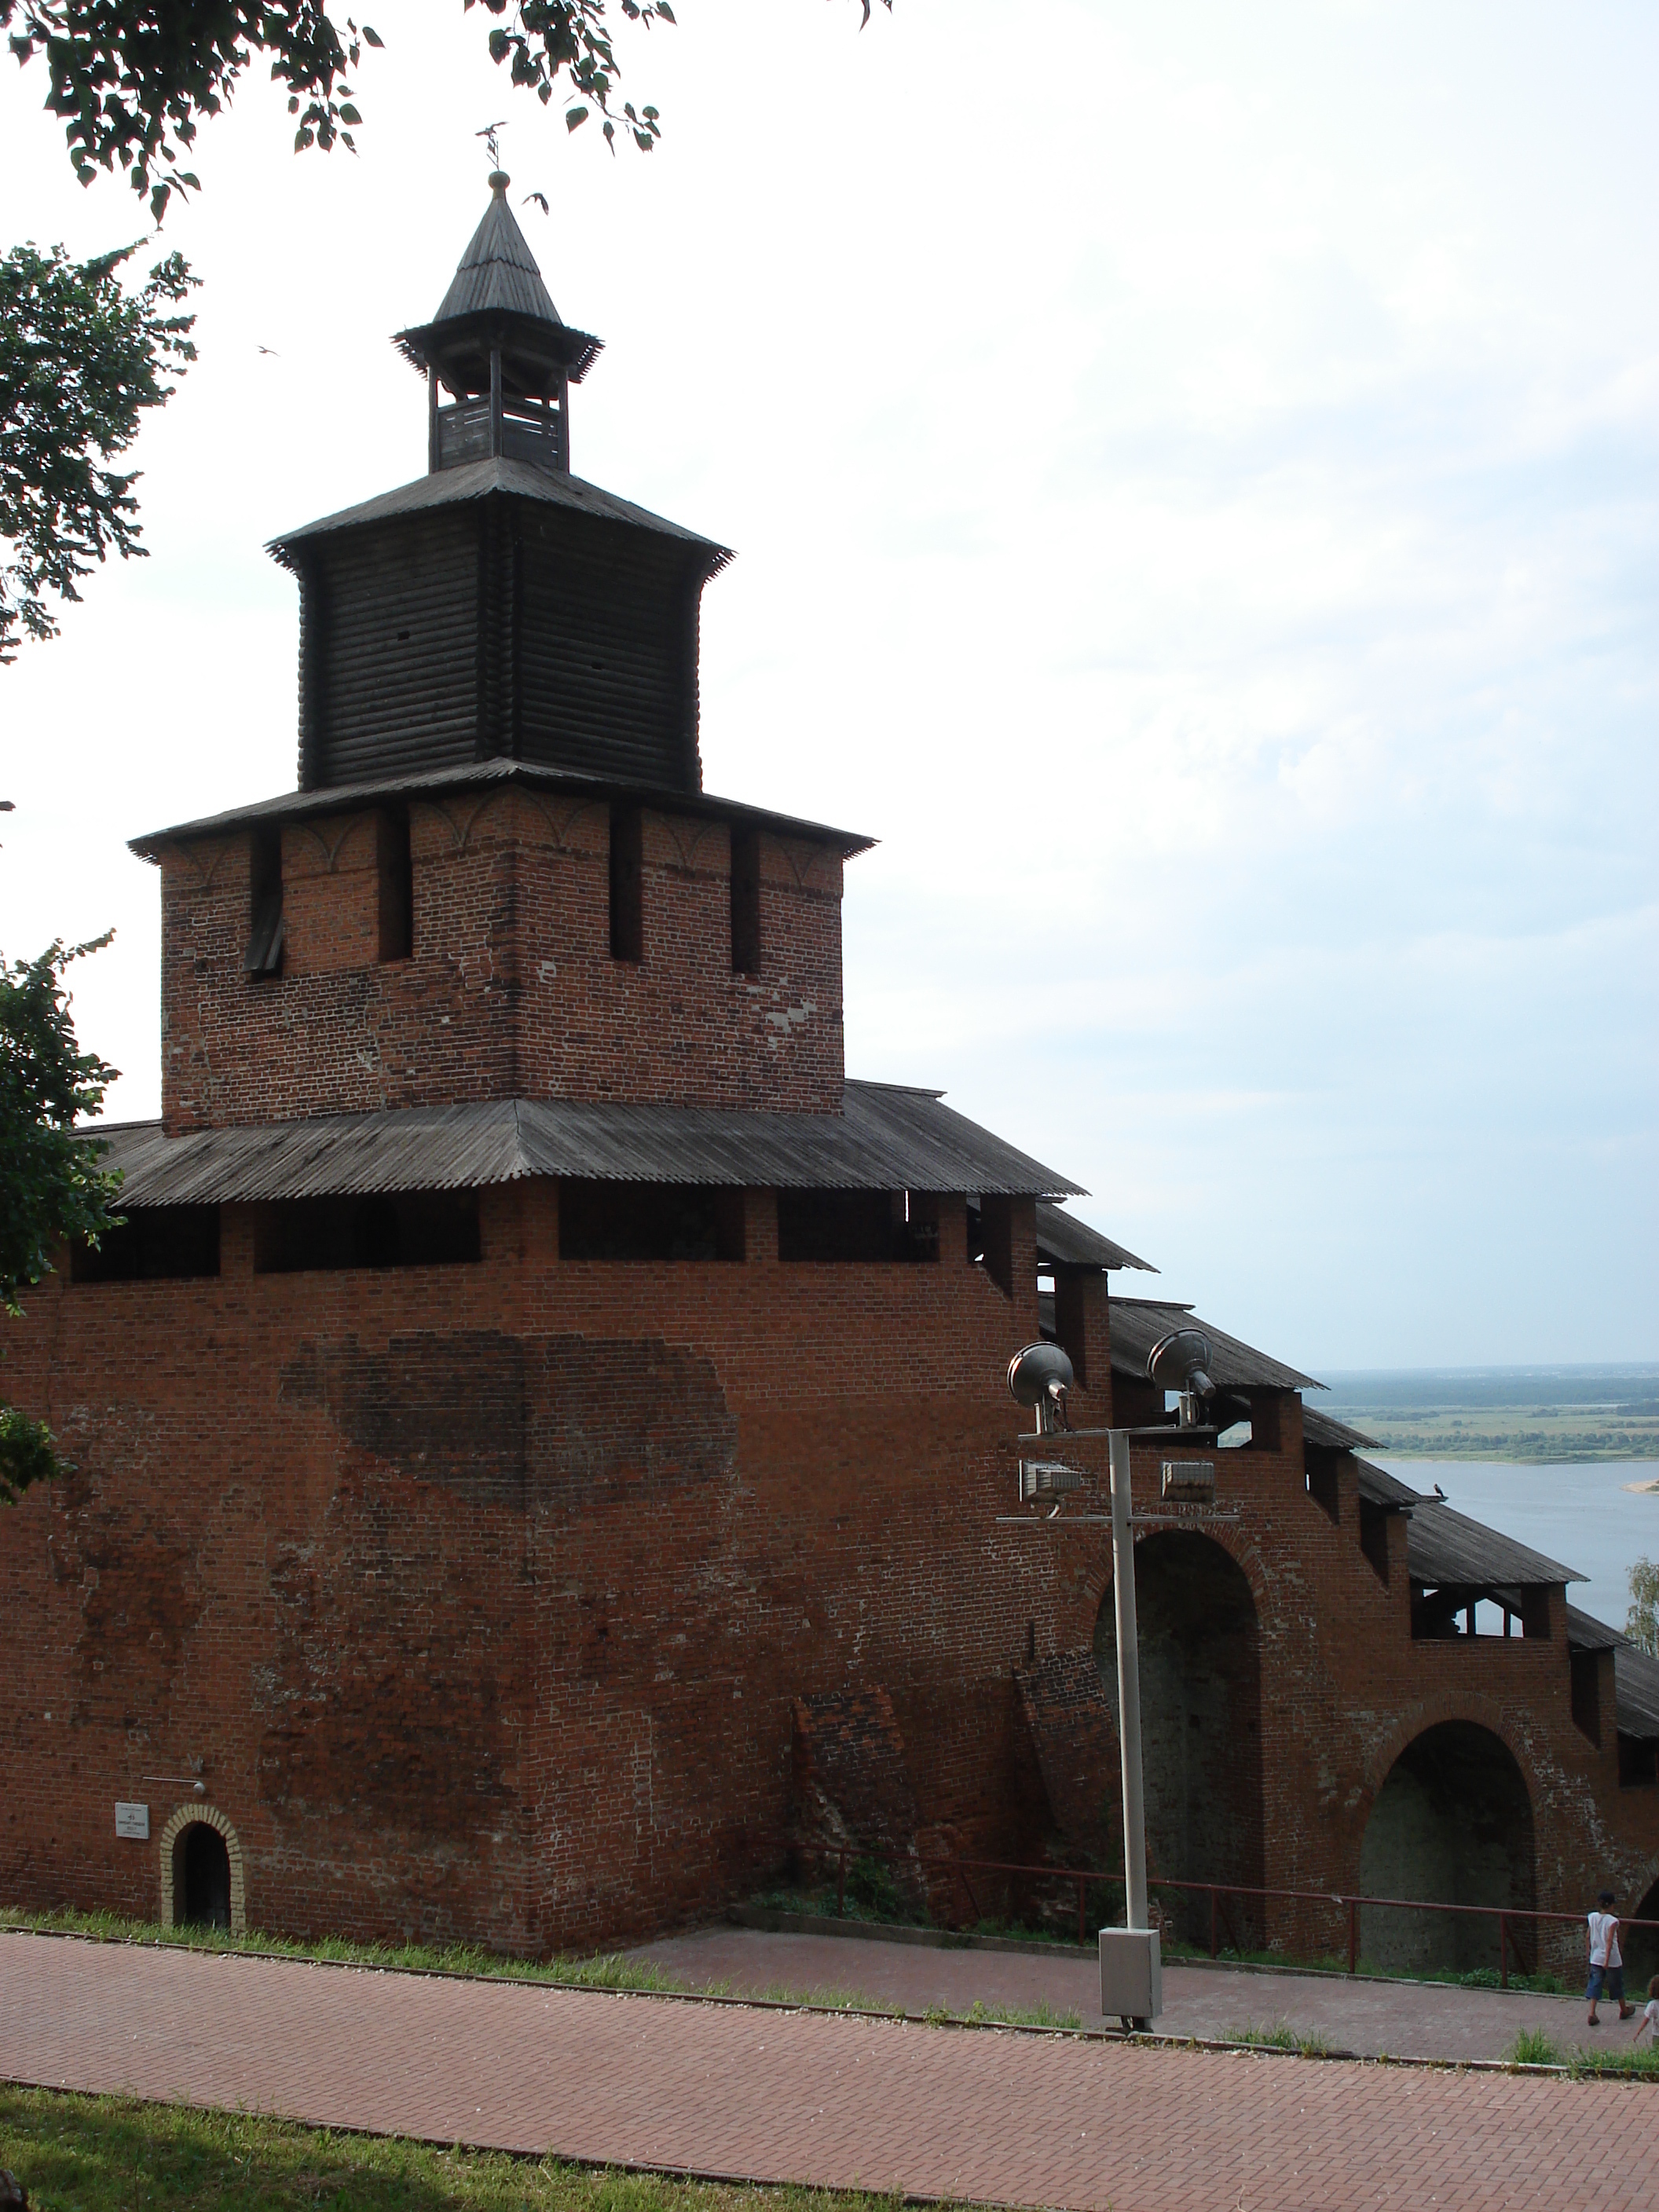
(498, 348)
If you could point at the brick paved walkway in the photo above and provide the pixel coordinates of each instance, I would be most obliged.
(1399, 2020)
(994, 2117)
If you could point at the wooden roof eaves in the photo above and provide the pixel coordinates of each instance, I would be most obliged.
(347, 797)
(478, 480)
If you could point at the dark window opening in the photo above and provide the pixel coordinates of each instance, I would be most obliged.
(1638, 1762)
(153, 1245)
(996, 1220)
(1585, 1673)
(264, 957)
(746, 902)
(627, 884)
(1071, 1320)
(649, 1221)
(1322, 1488)
(400, 1229)
(1374, 1537)
(1264, 1419)
(871, 1226)
(201, 1878)
(397, 886)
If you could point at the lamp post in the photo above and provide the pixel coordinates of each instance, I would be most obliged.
(1131, 1966)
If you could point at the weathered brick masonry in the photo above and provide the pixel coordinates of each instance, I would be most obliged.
(492, 1591)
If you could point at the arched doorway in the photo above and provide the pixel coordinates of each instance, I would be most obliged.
(201, 1878)
(1201, 1722)
(1452, 1823)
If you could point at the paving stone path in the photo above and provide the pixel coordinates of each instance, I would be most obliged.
(843, 2102)
(1398, 2019)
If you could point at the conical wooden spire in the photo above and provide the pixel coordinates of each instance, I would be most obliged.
(498, 271)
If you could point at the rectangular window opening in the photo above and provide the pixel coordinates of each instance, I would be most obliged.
(1639, 1763)
(1585, 1673)
(1374, 1539)
(1071, 1312)
(264, 957)
(868, 1226)
(1323, 1490)
(627, 884)
(746, 902)
(153, 1245)
(392, 1228)
(649, 1221)
(396, 885)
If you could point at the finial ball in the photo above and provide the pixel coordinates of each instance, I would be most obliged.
(499, 180)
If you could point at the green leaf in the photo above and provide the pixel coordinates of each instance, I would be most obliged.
(372, 36)
(349, 114)
(665, 11)
(573, 116)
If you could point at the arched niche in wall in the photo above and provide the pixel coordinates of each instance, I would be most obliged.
(1201, 1724)
(1452, 1825)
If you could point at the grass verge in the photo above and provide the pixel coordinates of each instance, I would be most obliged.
(1627, 2061)
(1280, 2035)
(609, 1971)
(104, 2154)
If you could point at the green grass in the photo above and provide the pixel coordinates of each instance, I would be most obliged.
(606, 1971)
(104, 2154)
(1534, 2046)
(1629, 2062)
(1280, 2035)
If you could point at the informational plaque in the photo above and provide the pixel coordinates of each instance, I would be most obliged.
(133, 1821)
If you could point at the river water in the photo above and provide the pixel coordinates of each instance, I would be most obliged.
(1583, 1516)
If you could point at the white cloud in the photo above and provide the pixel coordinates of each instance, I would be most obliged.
(1193, 473)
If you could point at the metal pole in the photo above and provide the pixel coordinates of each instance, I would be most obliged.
(1128, 1687)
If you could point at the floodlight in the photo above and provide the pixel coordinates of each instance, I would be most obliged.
(1181, 1362)
(1040, 1376)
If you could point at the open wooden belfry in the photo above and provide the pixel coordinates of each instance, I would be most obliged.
(499, 350)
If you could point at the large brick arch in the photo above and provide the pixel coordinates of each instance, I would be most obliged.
(1095, 1582)
(188, 1815)
(1429, 1712)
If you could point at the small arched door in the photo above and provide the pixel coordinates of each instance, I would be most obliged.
(201, 1878)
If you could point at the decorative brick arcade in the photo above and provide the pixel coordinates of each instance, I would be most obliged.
(536, 1446)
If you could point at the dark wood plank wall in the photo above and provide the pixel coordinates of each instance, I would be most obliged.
(605, 684)
(500, 628)
(398, 634)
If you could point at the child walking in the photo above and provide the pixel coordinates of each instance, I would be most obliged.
(1650, 2019)
(1606, 1964)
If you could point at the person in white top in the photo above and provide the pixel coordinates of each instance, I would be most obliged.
(1606, 1964)
(1650, 2019)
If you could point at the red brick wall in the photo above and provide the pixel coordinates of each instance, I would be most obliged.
(484, 1594)
(511, 990)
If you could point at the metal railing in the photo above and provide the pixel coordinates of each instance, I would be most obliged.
(1508, 1921)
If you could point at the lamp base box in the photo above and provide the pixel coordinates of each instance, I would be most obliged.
(1131, 1973)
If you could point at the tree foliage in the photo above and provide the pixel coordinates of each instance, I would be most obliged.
(25, 1454)
(132, 83)
(1642, 1622)
(81, 359)
(51, 1188)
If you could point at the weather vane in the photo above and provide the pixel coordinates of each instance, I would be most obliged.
(489, 134)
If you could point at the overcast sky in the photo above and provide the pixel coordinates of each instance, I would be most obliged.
(1193, 476)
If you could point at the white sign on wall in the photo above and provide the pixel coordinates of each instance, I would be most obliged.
(133, 1821)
